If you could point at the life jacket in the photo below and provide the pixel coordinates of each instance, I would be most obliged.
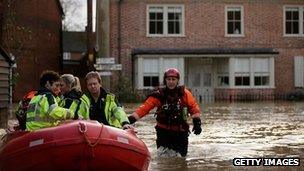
(22, 108)
(72, 101)
(172, 109)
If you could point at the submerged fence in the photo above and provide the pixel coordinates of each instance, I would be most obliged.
(248, 97)
(244, 95)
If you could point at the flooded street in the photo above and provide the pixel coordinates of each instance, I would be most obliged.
(235, 130)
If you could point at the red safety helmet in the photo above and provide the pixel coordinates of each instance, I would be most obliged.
(172, 72)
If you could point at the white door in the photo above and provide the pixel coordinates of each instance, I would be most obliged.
(200, 79)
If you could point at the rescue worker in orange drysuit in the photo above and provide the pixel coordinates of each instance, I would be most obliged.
(173, 103)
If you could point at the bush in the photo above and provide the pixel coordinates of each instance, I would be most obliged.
(296, 95)
(124, 91)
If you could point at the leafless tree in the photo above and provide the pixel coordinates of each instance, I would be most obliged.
(72, 12)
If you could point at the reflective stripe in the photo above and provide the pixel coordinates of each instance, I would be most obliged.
(116, 109)
(40, 119)
(53, 106)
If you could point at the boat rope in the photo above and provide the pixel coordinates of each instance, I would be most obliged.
(83, 129)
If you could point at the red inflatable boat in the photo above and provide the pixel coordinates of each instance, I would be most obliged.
(77, 145)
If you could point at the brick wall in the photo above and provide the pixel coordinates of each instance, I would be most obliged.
(41, 50)
(205, 28)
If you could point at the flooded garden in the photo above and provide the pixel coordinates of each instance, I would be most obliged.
(235, 130)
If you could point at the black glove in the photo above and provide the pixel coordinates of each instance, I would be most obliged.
(132, 119)
(196, 126)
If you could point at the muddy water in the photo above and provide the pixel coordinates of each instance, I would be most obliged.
(233, 130)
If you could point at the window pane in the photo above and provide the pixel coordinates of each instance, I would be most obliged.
(261, 80)
(261, 65)
(170, 16)
(152, 16)
(177, 28)
(242, 65)
(246, 81)
(178, 16)
(147, 81)
(288, 15)
(237, 29)
(159, 27)
(237, 15)
(230, 27)
(152, 28)
(257, 81)
(155, 81)
(230, 15)
(288, 27)
(159, 16)
(150, 66)
(170, 27)
(265, 80)
(295, 15)
(238, 81)
(223, 80)
(295, 27)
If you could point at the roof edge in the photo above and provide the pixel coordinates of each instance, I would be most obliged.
(202, 51)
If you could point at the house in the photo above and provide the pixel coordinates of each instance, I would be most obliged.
(224, 49)
(31, 31)
(74, 47)
(5, 85)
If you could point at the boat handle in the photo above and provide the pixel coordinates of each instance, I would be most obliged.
(82, 127)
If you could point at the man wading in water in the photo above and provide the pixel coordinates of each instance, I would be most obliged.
(173, 103)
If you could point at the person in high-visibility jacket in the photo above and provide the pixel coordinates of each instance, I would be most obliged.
(173, 104)
(72, 96)
(43, 110)
(102, 105)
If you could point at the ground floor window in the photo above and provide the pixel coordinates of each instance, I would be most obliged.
(151, 81)
(261, 80)
(223, 80)
(252, 72)
(242, 81)
(150, 73)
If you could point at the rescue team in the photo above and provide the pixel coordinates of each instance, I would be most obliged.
(60, 98)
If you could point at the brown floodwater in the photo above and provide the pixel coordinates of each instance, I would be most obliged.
(234, 130)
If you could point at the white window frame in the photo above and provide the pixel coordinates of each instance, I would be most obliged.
(222, 76)
(301, 21)
(261, 73)
(222, 73)
(252, 74)
(230, 8)
(165, 20)
(150, 74)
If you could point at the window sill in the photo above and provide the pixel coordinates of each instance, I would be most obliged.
(293, 35)
(235, 35)
(163, 35)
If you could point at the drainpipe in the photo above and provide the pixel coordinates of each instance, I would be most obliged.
(119, 32)
(89, 32)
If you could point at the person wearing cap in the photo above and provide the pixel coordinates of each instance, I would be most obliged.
(103, 106)
(174, 103)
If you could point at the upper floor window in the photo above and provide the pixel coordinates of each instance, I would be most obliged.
(234, 21)
(165, 20)
(294, 20)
